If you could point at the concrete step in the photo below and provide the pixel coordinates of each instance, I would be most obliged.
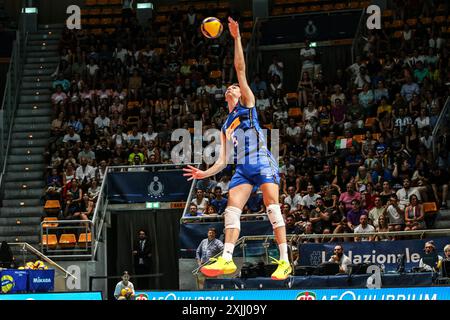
(38, 71)
(54, 59)
(36, 85)
(21, 203)
(51, 26)
(23, 127)
(28, 159)
(24, 151)
(43, 48)
(19, 168)
(17, 212)
(34, 98)
(29, 143)
(22, 194)
(34, 92)
(36, 79)
(40, 42)
(30, 239)
(18, 185)
(41, 54)
(20, 230)
(44, 35)
(31, 134)
(24, 176)
(25, 221)
(31, 112)
(34, 120)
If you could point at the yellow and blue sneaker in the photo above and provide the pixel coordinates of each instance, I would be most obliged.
(283, 271)
(218, 267)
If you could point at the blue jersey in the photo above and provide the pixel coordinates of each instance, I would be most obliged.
(243, 130)
(255, 163)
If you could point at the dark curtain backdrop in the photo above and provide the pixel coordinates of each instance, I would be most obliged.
(163, 228)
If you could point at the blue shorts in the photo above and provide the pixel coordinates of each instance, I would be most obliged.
(255, 174)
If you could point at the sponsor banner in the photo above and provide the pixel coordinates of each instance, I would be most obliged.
(14, 280)
(41, 280)
(384, 253)
(54, 296)
(422, 293)
(144, 186)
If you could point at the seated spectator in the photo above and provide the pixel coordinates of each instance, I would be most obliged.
(395, 214)
(382, 227)
(432, 258)
(291, 226)
(61, 82)
(72, 139)
(211, 211)
(54, 179)
(207, 185)
(363, 178)
(386, 193)
(94, 190)
(219, 202)
(136, 152)
(200, 200)
(255, 202)
(414, 215)
(293, 199)
(193, 211)
(87, 207)
(340, 258)
(364, 227)
(87, 153)
(354, 214)
(71, 210)
(85, 173)
(346, 198)
(376, 212)
(404, 194)
(309, 200)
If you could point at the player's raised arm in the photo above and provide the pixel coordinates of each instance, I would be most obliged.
(247, 98)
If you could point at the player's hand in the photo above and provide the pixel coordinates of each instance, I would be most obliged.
(194, 173)
(234, 28)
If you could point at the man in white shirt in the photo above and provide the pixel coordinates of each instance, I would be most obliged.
(72, 137)
(340, 258)
(276, 68)
(85, 171)
(307, 56)
(309, 201)
(203, 89)
(218, 91)
(404, 193)
(120, 53)
(293, 199)
(102, 122)
(364, 227)
(149, 135)
(376, 211)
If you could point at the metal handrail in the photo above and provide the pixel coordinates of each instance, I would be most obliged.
(221, 217)
(43, 257)
(438, 125)
(96, 232)
(295, 237)
(9, 103)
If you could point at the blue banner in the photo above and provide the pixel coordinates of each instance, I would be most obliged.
(191, 234)
(54, 296)
(423, 293)
(144, 186)
(14, 280)
(41, 280)
(378, 252)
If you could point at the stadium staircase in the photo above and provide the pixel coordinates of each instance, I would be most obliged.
(21, 211)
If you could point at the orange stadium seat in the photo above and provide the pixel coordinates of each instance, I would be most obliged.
(426, 21)
(117, 11)
(94, 21)
(387, 13)
(67, 240)
(102, 2)
(397, 34)
(358, 137)
(115, 2)
(315, 8)
(52, 204)
(162, 9)
(353, 5)
(215, 74)
(290, 10)
(440, 19)
(429, 207)
(106, 21)
(327, 7)
(161, 18)
(340, 6)
(370, 122)
(411, 22)
(95, 12)
(295, 112)
(85, 238)
(49, 241)
(397, 24)
(48, 222)
(107, 11)
(277, 11)
(91, 2)
(97, 31)
(117, 21)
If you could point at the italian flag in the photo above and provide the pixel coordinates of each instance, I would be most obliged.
(343, 143)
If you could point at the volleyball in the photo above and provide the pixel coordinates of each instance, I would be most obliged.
(211, 27)
(7, 283)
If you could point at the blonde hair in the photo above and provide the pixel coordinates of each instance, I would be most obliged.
(447, 247)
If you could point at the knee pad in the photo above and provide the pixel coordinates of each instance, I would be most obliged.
(232, 218)
(275, 217)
